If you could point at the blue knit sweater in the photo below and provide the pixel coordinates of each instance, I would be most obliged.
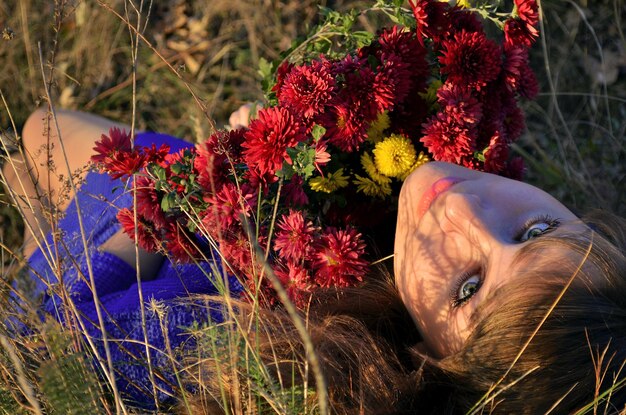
(99, 199)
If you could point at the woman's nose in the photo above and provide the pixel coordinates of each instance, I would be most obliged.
(466, 213)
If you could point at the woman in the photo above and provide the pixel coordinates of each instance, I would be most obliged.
(516, 301)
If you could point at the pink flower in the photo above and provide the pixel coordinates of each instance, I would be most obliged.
(338, 259)
(470, 59)
(294, 237)
(269, 136)
(308, 89)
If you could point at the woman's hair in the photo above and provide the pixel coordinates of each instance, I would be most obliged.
(555, 338)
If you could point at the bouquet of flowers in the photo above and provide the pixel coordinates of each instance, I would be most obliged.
(345, 123)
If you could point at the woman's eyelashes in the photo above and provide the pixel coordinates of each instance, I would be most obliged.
(535, 227)
(469, 283)
(465, 288)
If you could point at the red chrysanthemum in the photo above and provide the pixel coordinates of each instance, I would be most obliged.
(518, 33)
(392, 83)
(148, 202)
(308, 89)
(296, 281)
(338, 260)
(226, 207)
(180, 243)
(512, 120)
(269, 136)
(117, 141)
(431, 18)
(529, 87)
(515, 57)
(216, 157)
(515, 169)
(281, 73)
(124, 163)
(447, 140)
(470, 59)
(346, 127)
(146, 237)
(459, 104)
(294, 237)
(496, 154)
(396, 42)
(528, 11)
(156, 155)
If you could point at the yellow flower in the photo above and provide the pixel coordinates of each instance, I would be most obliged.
(372, 188)
(372, 171)
(421, 159)
(376, 128)
(394, 156)
(463, 3)
(330, 183)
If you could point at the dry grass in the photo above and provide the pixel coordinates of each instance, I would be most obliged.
(575, 144)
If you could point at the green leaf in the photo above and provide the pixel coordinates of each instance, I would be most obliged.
(318, 132)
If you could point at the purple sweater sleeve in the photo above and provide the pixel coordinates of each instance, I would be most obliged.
(168, 309)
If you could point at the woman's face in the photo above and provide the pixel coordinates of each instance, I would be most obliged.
(457, 238)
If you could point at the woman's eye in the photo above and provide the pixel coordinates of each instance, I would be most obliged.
(466, 289)
(536, 227)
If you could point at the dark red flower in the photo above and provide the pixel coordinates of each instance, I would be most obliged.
(124, 164)
(392, 83)
(308, 89)
(459, 104)
(338, 259)
(216, 158)
(528, 11)
(281, 73)
(529, 87)
(117, 141)
(296, 281)
(146, 237)
(180, 243)
(294, 237)
(518, 33)
(448, 140)
(496, 154)
(346, 127)
(148, 202)
(431, 18)
(269, 136)
(470, 59)
(293, 192)
(515, 169)
(226, 207)
(156, 155)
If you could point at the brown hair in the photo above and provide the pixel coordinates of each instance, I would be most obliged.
(546, 345)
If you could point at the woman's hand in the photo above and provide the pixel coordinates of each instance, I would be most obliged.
(243, 115)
